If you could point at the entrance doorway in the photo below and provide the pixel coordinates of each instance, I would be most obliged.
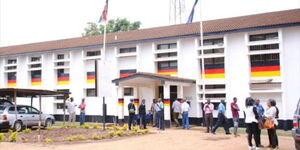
(173, 96)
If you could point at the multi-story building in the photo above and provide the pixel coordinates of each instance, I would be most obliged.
(256, 55)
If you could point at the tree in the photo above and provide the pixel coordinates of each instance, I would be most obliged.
(118, 25)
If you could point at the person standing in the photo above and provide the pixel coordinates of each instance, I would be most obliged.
(131, 110)
(82, 111)
(176, 106)
(251, 120)
(159, 106)
(71, 105)
(260, 110)
(272, 114)
(153, 112)
(208, 111)
(235, 116)
(222, 119)
(142, 113)
(185, 107)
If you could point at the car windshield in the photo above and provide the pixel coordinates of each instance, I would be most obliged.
(2, 109)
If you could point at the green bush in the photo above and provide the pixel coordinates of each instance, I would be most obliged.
(72, 125)
(81, 137)
(135, 128)
(2, 137)
(71, 138)
(125, 127)
(27, 130)
(96, 137)
(63, 126)
(47, 140)
(112, 133)
(131, 132)
(85, 126)
(13, 137)
(96, 126)
(120, 133)
(49, 128)
(146, 130)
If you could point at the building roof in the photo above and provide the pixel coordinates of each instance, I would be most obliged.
(30, 92)
(219, 26)
(153, 76)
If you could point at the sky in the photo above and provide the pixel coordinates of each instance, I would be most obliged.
(29, 21)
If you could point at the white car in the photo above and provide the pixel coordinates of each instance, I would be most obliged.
(27, 116)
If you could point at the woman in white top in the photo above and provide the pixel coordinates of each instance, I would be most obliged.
(251, 121)
(272, 112)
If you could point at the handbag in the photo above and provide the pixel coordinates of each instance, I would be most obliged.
(269, 124)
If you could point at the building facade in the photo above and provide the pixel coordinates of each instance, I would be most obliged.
(257, 56)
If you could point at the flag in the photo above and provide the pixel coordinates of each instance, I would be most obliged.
(190, 19)
(103, 17)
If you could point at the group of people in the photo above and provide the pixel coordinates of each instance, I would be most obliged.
(71, 108)
(255, 116)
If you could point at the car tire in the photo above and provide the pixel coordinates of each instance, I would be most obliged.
(18, 126)
(48, 123)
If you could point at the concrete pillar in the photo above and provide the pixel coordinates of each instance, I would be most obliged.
(180, 91)
(136, 99)
(167, 111)
(120, 91)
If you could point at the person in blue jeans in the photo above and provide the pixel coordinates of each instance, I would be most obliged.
(222, 119)
(185, 107)
(82, 111)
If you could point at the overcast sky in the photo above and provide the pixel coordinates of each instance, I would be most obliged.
(28, 21)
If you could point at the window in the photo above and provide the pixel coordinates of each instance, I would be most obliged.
(36, 59)
(60, 64)
(92, 53)
(11, 68)
(207, 42)
(167, 46)
(32, 110)
(167, 65)
(218, 60)
(214, 86)
(60, 106)
(261, 37)
(20, 110)
(60, 56)
(214, 95)
(167, 55)
(213, 51)
(91, 92)
(12, 61)
(36, 66)
(36, 74)
(127, 50)
(264, 47)
(61, 90)
(128, 91)
(264, 57)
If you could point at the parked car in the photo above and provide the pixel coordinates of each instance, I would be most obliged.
(5, 102)
(27, 116)
(296, 128)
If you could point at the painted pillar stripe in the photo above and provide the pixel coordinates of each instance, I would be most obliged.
(63, 78)
(11, 84)
(265, 63)
(90, 77)
(214, 66)
(11, 81)
(167, 73)
(36, 80)
(166, 102)
(265, 68)
(128, 71)
(121, 102)
(167, 70)
(136, 101)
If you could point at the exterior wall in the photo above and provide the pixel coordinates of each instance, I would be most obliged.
(237, 74)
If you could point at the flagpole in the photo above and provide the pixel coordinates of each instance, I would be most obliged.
(202, 53)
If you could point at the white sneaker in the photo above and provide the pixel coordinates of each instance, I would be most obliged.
(250, 147)
(257, 148)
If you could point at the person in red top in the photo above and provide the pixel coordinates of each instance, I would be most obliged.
(82, 111)
(235, 116)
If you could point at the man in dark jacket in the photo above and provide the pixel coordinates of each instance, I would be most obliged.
(142, 113)
(131, 110)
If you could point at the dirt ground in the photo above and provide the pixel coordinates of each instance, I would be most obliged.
(171, 139)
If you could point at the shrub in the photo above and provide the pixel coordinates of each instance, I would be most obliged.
(38, 130)
(103, 136)
(72, 125)
(13, 137)
(71, 138)
(2, 137)
(125, 127)
(27, 130)
(96, 126)
(120, 132)
(81, 137)
(49, 128)
(85, 126)
(10, 131)
(141, 131)
(96, 137)
(63, 126)
(112, 133)
(146, 130)
(132, 133)
(47, 140)
(135, 129)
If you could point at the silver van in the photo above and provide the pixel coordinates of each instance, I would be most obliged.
(27, 116)
(296, 128)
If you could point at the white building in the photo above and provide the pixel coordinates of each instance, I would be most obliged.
(257, 56)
